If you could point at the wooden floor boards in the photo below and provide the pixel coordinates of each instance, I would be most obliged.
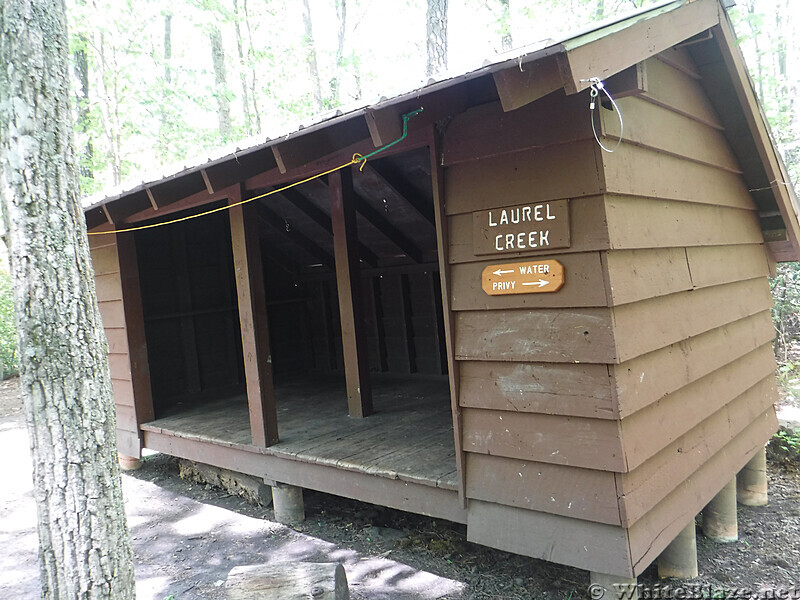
(410, 436)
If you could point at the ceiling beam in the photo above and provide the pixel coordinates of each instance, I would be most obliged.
(307, 245)
(316, 214)
(392, 179)
(392, 233)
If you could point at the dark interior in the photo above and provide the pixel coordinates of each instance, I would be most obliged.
(189, 293)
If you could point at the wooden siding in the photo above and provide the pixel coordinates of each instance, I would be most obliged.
(695, 385)
(618, 406)
(108, 281)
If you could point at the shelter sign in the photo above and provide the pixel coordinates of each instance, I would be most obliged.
(530, 277)
(523, 228)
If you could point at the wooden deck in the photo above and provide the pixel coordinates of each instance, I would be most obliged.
(410, 436)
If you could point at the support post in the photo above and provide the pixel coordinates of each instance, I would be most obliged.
(719, 516)
(134, 332)
(442, 249)
(287, 501)
(751, 482)
(679, 559)
(610, 587)
(129, 463)
(253, 322)
(348, 283)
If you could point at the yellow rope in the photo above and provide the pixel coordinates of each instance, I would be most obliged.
(356, 159)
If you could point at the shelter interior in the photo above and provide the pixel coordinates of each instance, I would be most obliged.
(192, 324)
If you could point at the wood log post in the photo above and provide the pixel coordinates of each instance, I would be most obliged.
(751, 482)
(253, 322)
(611, 587)
(129, 463)
(348, 284)
(288, 581)
(287, 501)
(679, 559)
(719, 516)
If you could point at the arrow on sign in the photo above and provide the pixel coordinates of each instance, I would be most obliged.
(500, 272)
(540, 283)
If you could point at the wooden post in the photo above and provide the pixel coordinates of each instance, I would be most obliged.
(253, 322)
(287, 501)
(719, 516)
(679, 559)
(442, 248)
(611, 587)
(348, 283)
(129, 463)
(134, 331)
(751, 482)
(288, 581)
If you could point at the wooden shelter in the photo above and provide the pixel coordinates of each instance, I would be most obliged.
(382, 332)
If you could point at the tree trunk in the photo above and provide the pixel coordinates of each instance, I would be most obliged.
(84, 549)
(82, 104)
(221, 84)
(163, 130)
(436, 37)
(311, 57)
(252, 61)
(248, 120)
(341, 15)
(505, 25)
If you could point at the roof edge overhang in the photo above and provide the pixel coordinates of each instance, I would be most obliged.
(532, 73)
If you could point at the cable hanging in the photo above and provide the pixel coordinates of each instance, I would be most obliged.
(596, 86)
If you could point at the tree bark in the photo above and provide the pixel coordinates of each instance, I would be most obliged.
(85, 549)
(221, 84)
(82, 102)
(252, 61)
(164, 127)
(341, 15)
(248, 120)
(436, 37)
(311, 57)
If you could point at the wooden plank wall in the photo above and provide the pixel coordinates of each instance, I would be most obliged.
(403, 315)
(190, 311)
(687, 277)
(615, 408)
(108, 281)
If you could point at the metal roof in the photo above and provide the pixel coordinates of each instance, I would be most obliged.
(516, 57)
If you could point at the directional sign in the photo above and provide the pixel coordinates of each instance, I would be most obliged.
(529, 277)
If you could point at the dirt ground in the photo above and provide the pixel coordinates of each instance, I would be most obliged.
(187, 537)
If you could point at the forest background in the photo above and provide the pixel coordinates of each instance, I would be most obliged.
(156, 84)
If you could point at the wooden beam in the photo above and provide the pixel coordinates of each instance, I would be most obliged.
(276, 177)
(188, 339)
(152, 198)
(207, 181)
(134, 328)
(348, 281)
(308, 245)
(597, 55)
(107, 214)
(757, 123)
(442, 246)
(253, 322)
(391, 178)
(523, 84)
(385, 125)
(382, 224)
(316, 214)
(630, 82)
(406, 326)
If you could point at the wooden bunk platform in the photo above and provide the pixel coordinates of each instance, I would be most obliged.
(409, 438)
